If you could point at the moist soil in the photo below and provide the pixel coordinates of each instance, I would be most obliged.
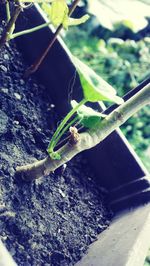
(52, 220)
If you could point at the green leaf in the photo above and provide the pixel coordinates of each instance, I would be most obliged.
(128, 23)
(57, 12)
(88, 117)
(94, 87)
(47, 9)
(78, 21)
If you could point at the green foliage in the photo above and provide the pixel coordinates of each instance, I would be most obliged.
(94, 87)
(123, 64)
(126, 23)
(87, 116)
(58, 13)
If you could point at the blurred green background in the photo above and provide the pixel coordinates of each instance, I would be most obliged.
(118, 49)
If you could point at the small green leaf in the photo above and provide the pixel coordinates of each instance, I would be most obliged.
(78, 21)
(88, 117)
(57, 12)
(94, 87)
(74, 21)
(47, 9)
(55, 155)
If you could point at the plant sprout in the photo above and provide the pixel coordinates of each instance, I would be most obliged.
(90, 82)
(97, 126)
(58, 14)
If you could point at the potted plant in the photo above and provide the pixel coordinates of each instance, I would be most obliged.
(132, 181)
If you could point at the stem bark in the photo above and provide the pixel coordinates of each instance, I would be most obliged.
(90, 138)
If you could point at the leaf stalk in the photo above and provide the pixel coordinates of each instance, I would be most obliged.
(28, 31)
(57, 134)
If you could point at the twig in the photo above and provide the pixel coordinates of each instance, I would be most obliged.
(34, 67)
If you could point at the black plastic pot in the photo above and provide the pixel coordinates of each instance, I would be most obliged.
(125, 242)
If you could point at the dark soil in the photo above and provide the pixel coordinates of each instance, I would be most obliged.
(53, 220)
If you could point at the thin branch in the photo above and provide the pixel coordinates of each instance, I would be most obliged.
(90, 138)
(34, 67)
